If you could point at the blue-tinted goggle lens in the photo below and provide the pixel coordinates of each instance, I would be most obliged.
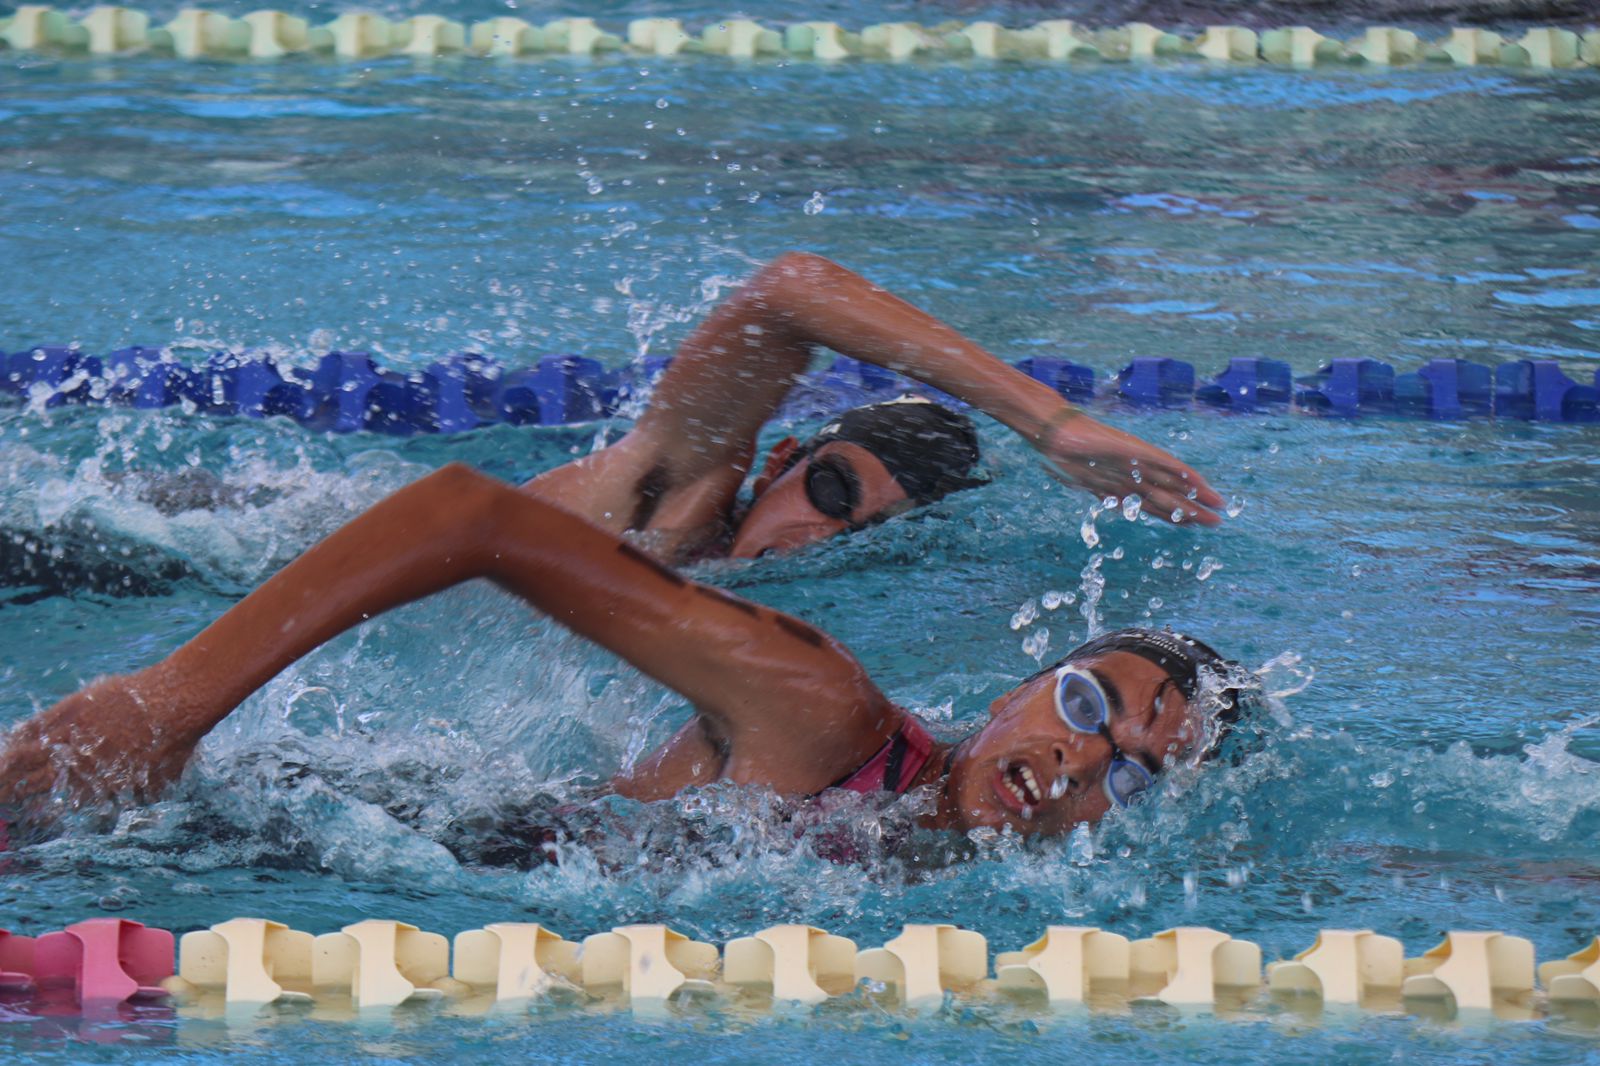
(1125, 780)
(1081, 701)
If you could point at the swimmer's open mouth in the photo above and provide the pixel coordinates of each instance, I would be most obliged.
(1017, 787)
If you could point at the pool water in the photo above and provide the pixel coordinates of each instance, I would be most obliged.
(1421, 597)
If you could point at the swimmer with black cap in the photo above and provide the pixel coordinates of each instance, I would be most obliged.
(927, 450)
(777, 702)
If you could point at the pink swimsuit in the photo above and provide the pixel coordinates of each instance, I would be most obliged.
(896, 764)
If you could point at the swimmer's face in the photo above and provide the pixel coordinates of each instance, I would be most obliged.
(1027, 769)
(837, 487)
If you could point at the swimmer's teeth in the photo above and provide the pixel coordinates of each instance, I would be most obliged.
(1034, 795)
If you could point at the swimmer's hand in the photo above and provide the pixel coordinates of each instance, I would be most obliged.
(1109, 462)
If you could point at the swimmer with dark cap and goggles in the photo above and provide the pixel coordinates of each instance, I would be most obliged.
(778, 703)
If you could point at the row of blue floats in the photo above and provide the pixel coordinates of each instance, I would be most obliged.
(347, 391)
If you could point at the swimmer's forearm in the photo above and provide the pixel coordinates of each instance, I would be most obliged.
(823, 303)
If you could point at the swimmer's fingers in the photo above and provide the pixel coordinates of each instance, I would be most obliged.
(1173, 489)
(1171, 507)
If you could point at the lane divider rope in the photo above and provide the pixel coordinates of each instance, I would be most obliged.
(348, 391)
(195, 33)
(381, 964)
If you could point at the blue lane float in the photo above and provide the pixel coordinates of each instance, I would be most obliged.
(1073, 381)
(348, 392)
(1152, 382)
(1249, 384)
(1446, 389)
(1349, 388)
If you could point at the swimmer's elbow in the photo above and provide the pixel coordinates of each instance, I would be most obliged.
(796, 268)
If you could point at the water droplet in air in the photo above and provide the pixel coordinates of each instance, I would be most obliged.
(1131, 506)
(1036, 643)
(1051, 600)
(815, 205)
(1025, 615)
(1208, 566)
(1382, 779)
(662, 105)
(1235, 507)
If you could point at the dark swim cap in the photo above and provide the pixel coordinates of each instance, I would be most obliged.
(928, 448)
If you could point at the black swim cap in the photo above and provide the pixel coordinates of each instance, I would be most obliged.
(928, 448)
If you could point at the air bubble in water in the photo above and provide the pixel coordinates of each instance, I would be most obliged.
(1081, 848)
(815, 205)
(1382, 779)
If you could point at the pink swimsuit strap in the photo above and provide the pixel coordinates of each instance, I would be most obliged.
(896, 764)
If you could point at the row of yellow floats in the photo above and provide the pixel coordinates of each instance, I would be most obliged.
(378, 964)
(195, 34)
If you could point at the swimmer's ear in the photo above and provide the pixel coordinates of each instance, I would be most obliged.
(778, 460)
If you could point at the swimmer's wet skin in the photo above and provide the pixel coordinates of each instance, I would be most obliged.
(778, 702)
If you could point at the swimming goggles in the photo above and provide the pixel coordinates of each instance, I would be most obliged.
(833, 487)
(1082, 703)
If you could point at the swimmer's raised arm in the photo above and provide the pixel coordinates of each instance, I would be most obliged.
(730, 375)
(788, 704)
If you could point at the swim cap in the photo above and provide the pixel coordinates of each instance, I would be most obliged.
(928, 448)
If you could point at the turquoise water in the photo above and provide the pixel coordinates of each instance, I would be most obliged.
(1425, 594)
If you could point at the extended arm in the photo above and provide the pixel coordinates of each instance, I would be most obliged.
(733, 371)
(765, 683)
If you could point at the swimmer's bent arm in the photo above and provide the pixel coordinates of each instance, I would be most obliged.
(730, 375)
(789, 705)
